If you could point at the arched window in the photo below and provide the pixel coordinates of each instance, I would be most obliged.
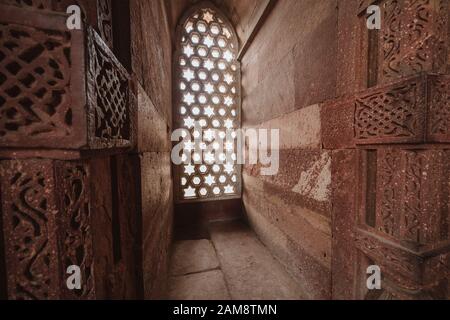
(207, 105)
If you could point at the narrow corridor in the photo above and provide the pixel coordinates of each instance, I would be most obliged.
(234, 264)
(129, 128)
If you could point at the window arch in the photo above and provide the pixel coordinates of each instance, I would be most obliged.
(207, 106)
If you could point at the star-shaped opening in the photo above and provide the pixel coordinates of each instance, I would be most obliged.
(189, 192)
(189, 169)
(210, 180)
(208, 17)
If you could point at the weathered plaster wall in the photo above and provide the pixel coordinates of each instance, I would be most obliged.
(287, 72)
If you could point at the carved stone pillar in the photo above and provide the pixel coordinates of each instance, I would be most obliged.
(391, 152)
(64, 100)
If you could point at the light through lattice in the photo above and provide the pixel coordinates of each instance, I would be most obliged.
(207, 104)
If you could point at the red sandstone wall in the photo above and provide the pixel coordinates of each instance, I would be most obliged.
(151, 63)
(364, 145)
(116, 186)
(288, 70)
(390, 187)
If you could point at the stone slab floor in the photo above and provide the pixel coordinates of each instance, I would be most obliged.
(233, 265)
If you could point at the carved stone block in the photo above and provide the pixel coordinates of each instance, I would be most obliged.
(392, 114)
(29, 210)
(44, 72)
(406, 274)
(414, 38)
(109, 95)
(74, 225)
(439, 109)
(399, 221)
(403, 225)
(46, 221)
(337, 121)
(399, 264)
(407, 195)
(96, 13)
(415, 110)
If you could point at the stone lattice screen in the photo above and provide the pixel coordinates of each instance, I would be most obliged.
(207, 104)
(58, 88)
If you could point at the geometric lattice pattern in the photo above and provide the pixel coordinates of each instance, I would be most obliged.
(207, 105)
(34, 83)
(59, 88)
(394, 112)
(108, 85)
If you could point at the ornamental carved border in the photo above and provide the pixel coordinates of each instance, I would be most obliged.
(405, 196)
(439, 109)
(47, 228)
(413, 110)
(74, 225)
(403, 222)
(414, 38)
(29, 211)
(109, 97)
(104, 21)
(406, 275)
(422, 48)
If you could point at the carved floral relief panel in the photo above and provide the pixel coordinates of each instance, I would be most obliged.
(29, 213)
(414, 38)
(47, 228)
